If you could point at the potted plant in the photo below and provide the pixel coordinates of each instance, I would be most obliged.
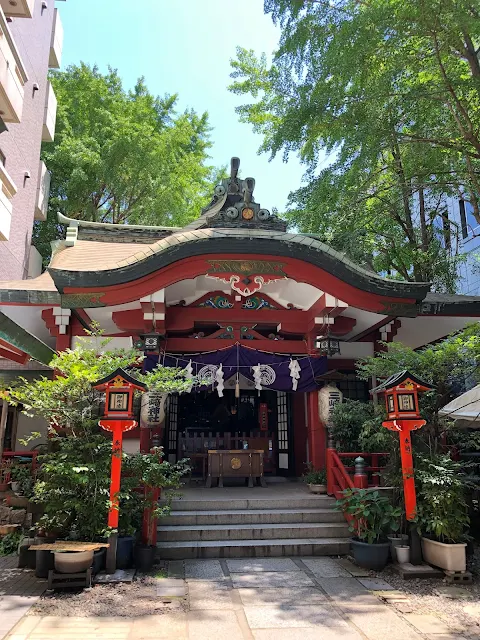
(371, 517)
(442, 511)
(316, 479)
(151, 472)
(20, 479)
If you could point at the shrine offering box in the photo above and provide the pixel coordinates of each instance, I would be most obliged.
(236, 463)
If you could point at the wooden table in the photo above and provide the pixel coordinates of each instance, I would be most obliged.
(235, 463)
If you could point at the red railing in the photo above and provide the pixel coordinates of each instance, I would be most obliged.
(361, 476)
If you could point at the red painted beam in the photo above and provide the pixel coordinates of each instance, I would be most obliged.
(198, 345)
(21, 358)
(295, 268)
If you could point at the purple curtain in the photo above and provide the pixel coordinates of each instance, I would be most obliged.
(275, 368)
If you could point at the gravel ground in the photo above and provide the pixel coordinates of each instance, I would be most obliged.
(423, 597)
(129, 600)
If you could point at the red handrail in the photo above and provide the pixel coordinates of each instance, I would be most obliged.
(340, 477)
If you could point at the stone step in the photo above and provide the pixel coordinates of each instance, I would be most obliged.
(226, 504)
(253, 531)
(253, 548)
(252, 516)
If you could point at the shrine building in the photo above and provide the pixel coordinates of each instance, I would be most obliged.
(262, 317)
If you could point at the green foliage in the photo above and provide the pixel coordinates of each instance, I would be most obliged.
(372, 515)
(68, 400)
(348, 418)
(442, 510)
(390, 93)
(123, 156)
(9, 543)
(314, 476)
(445, 365)
(74, 485)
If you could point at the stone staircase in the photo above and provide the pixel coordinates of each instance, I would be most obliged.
(238, 527)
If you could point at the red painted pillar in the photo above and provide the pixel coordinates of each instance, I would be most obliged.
(115, 474)
(316, 432)
(409, 493)
(145, 439)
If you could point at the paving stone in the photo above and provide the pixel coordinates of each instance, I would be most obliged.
(306, 633)
(392, 596)
(325, 568)
(167, 625)
(262, 564)
(176, 569)
(199, 586)
(285, 596)
(457, 593)
(271, 579)
(172, 592)
(203, 569)
(352, 568)
(213, 599)
(213, 624)
(427, 623)
(347, 590)
(376, 584)
(379, 622)
(320, 617)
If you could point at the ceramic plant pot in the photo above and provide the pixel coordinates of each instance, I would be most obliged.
(396, 539)
(451, 557)
(16, 488)
(144, 557)
(73, 561)
(370, 556)
(317, 488)
(403, 553)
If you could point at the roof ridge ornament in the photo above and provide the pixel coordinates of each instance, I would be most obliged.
(233, 205)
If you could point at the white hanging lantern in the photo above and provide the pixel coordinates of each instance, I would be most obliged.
(294, 373)
(189, 375)
(220, 381)
(257, 376)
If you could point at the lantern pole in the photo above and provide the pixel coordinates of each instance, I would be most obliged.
(119, 389)
(401, 398)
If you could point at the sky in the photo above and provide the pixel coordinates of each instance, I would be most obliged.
(185, 47)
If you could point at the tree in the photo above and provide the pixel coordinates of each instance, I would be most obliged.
(123, 156)
(446, 366)
(392, 91)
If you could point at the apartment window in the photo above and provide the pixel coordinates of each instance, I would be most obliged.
(467, 219)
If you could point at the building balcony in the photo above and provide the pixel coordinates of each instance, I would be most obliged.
(56, 45)
(12, 75)
(50, 116)
(43, 193)
(7, 191)
(17, 8)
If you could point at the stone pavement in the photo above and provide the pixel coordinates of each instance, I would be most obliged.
(255, 599)
(19, 590)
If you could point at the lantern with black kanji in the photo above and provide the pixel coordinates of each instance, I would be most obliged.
(401, 395)
(119, 389)
(401, 398)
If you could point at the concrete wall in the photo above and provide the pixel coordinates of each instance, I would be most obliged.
(21, 143)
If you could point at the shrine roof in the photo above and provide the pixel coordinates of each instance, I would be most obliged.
(81, 266)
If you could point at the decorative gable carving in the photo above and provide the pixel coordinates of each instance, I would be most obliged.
(233, 205)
